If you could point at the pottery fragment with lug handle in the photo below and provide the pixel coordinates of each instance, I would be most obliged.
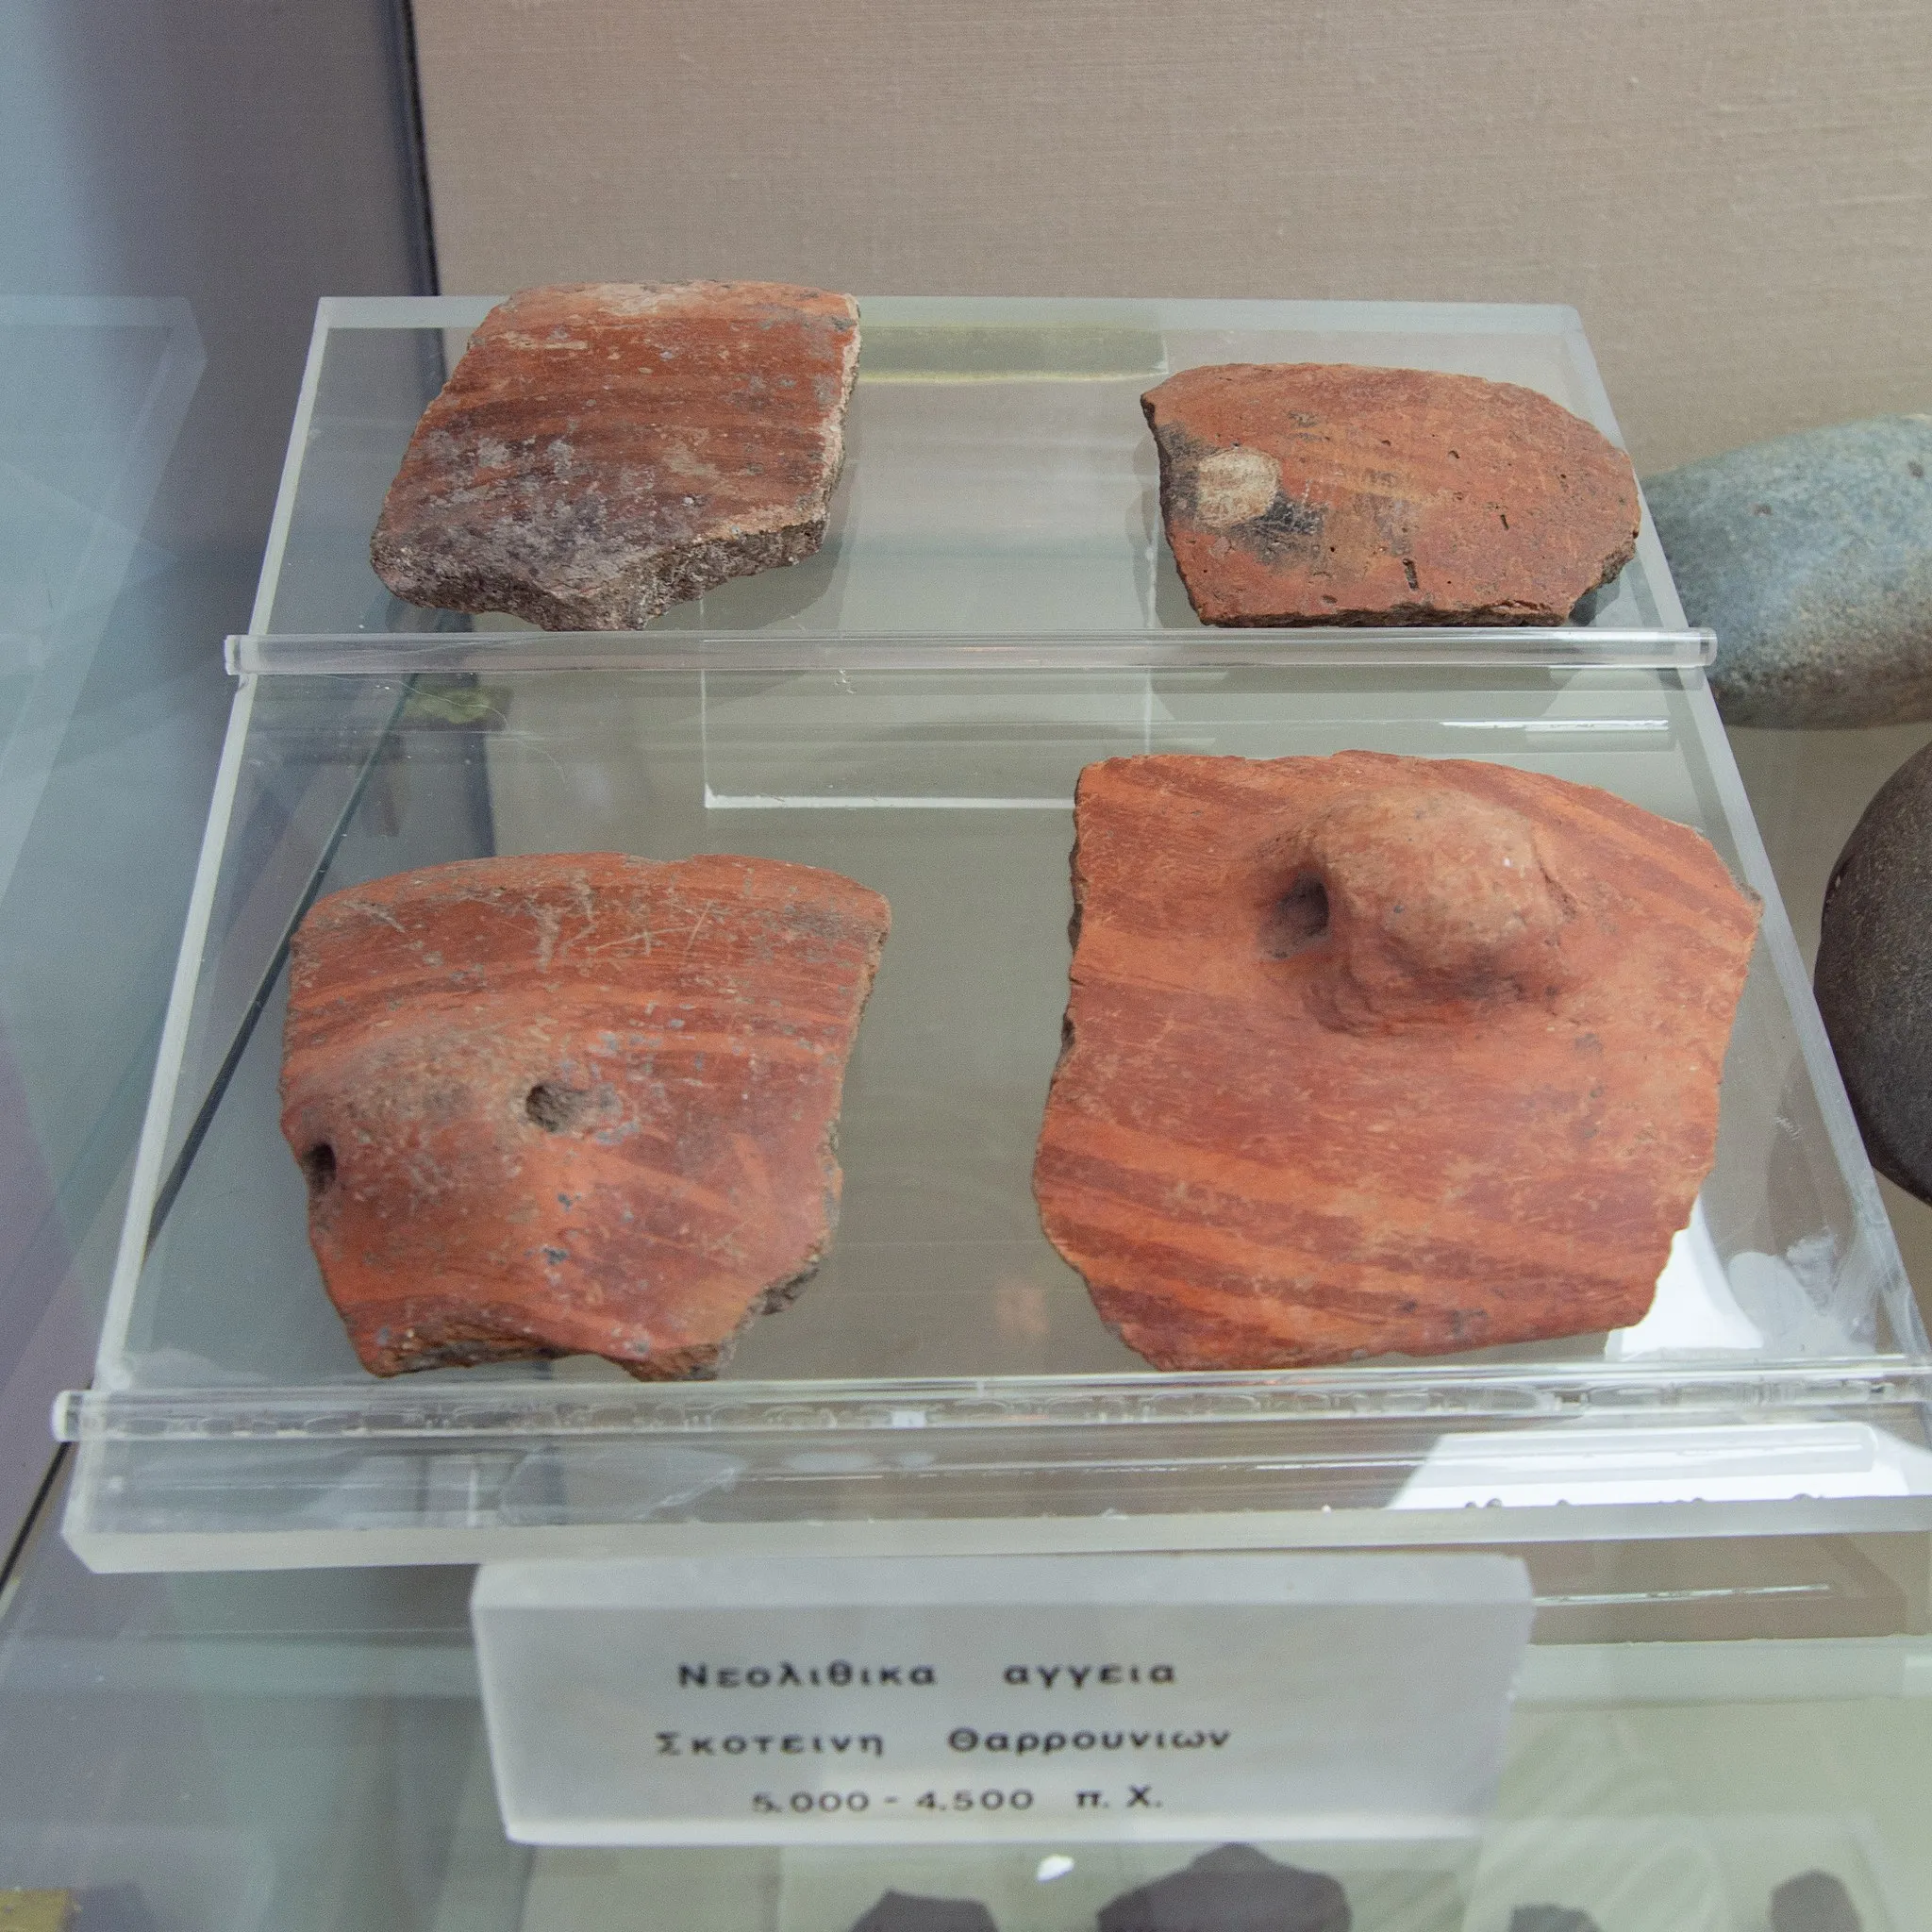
(1369, 1054)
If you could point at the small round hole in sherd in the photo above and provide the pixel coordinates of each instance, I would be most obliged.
(319, 1169)
(554, 1108)
(1298, 920)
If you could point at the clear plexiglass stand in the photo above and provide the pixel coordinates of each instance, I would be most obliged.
(992, 608)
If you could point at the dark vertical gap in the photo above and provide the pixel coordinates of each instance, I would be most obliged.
(416, 156)
(476, 792)
(30, 1523)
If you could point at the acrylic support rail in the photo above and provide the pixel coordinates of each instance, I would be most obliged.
(993, 610)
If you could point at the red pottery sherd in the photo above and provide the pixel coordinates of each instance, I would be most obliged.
(605, 450)
(1309, 492)
(1371, 1054)
(573, 1104)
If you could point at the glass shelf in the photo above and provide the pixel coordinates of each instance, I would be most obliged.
(944, 1378)
(999, 476)
(943, 1383)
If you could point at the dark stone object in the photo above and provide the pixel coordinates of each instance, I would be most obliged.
(1811, 559)
(1550, 1918)
(1235, 1889)
(905, 1911)
(1813, 1902)
(1874, 973)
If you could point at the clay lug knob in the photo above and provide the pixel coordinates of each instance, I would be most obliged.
(1371, 1054)
(582, 1104)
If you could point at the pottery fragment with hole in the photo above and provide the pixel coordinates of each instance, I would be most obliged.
(580, 1104)
(604, 450)
(1369, 1054)
(1308, 492)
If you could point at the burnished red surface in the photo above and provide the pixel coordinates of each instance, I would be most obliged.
(606, 449)
(1369, 1054)
(1309, 492)
(573, 1104)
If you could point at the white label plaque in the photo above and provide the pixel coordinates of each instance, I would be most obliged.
(880, 1701)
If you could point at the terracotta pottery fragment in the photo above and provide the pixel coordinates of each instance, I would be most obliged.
(1308, 492)
(1369, 1054)
(607, 449)
(573, 1104)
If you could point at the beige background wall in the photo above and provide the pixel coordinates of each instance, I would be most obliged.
(1736, 193)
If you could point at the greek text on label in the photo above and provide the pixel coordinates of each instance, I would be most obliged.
(766, 1676)
(1077, 1675)
(796, 1745)
(964, 1737)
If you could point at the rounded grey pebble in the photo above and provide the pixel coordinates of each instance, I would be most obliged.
(1810, 556)
(905, 1911)
(1874, 973)
(1235, 1889)
(1813, 1902)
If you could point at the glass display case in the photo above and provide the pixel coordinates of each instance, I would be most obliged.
(1720, 1513)
(101, 736)
(993, 609)
(1696, 1725)
(999, 477)
(1614, 1632)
